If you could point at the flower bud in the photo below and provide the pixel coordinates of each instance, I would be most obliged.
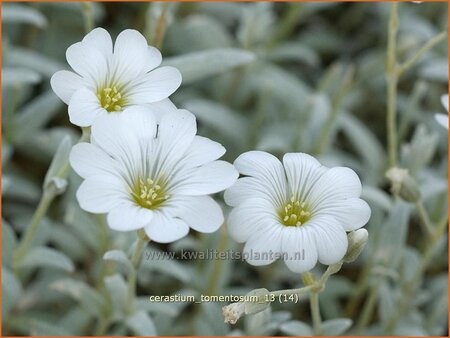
(403, 185)
(356, 242)
(233, 312)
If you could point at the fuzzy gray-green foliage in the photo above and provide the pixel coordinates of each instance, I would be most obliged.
(299, 77)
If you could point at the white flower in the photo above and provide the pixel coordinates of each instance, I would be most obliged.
(150, 175)
(110, 79)
(298, 210)
(442, 119)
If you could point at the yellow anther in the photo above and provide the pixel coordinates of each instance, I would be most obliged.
(294, 213)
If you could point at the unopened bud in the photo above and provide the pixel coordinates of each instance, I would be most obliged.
(233, 312)
(403, 185)
(356, 242)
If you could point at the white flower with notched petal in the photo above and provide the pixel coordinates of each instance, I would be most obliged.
(299, 210)
(150, 175)
(442, 119)
(110, 79)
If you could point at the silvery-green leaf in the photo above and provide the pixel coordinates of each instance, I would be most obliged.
(257, 324)
(75, 320)
(117, 288)
(296, 328)
(294, 51)
(167, 309)
(59, 166)
(363, 141)
(219, 117)
(90, 299)
(42, 328)
(211, 320)
(18, 76)
(336, 327)
(419, 152)
(41, 145)
(435, 70)
(24, 189)
(166, 266)
(376, 196)
(9, 242)
(41, 63)
(39, 257)
(200, 65)
(387, 302)
(84, 226)
(7, 151)
(196, 33)
(393, 235)
(257, 19)
(410, 263)
(37, 113)
(141, 324)
(260, 305)
(119, 257)
(18, 13)
(11, 290)
(63, 239)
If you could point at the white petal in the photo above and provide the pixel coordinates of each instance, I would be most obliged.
(299, 248)
(89, 62)
(246, 188)
(89, 160)
(155, 86)
(164, 229)
(141, 121)
(84, 108)
(444, 101)
(264, 247)
(249, 218)
(302, 171)
(65, 83)
(154, 58)
(352, 213)
(442, 120)
(201, 213)
(336, 183)
(201, 151)
(175, 134)
(112, 133)
(100, 194)
(331, 239)
(131, 56)
(129, 216)
(100, 39)
(162, 107)
(268, 170)
(207, 179)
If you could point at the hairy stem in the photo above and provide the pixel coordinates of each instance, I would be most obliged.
(392, 82)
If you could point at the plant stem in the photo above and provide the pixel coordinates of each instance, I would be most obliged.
(315, 313)
(417, 55)
(288, 22)
(428, 228)
(88, 16)
(335, 105)
(25, 244)
(161, 26)
(367, 310)
(392, 82)
(136, 256)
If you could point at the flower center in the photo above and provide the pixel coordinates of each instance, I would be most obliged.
(294, 213)
(149, 194)
(111, 99)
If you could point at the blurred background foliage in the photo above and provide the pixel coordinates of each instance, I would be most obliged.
(279, 77)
